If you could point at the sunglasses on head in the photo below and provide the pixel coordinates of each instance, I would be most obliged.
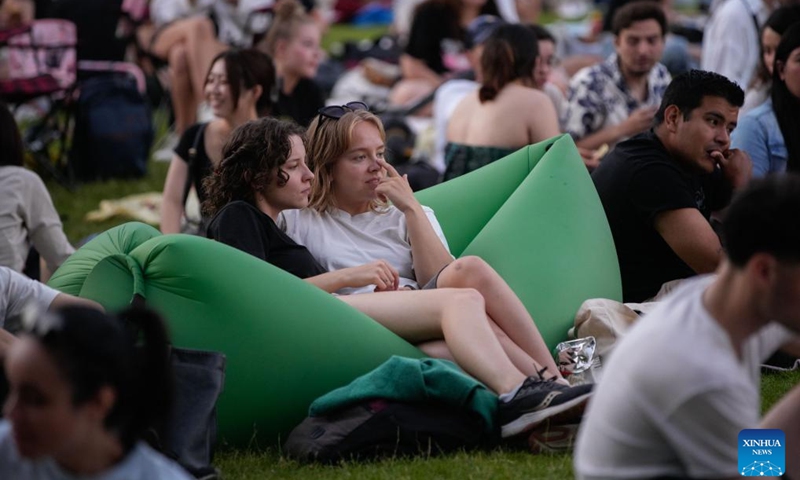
(337, 111)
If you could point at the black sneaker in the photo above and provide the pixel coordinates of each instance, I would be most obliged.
(538, 400)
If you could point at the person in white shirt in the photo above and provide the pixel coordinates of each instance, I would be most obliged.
(731, 44)
(685, 380)
(82, 395)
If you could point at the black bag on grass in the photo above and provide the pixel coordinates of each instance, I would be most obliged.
(380, 428)
(113, 129)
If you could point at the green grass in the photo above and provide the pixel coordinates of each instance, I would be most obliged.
(461, 466)
(73, 206)
(349, 33)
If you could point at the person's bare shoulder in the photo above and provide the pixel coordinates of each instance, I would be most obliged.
(526, 96)
(460, 119)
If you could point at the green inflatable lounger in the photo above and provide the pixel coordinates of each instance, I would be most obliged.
(533, 215)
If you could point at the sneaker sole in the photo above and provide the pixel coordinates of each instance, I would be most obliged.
(548, 438)
(567, 412)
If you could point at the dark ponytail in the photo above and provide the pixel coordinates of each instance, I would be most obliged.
(129, 353)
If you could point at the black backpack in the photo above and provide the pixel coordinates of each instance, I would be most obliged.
(113, 129)
(379, 428)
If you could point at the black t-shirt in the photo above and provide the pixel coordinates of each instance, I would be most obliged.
(301, 105)
(637, 181)
(202, 164)
(435, 33)
(243, 226)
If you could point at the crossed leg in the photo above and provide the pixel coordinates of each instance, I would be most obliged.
(504, 308)
(455, 315)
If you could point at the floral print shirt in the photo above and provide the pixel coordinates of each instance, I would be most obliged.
(598, 97)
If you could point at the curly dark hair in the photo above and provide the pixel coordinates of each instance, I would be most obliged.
(251, 159)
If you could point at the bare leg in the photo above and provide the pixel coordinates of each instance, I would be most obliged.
(201, 47)
(457, 315)
(502, 305)
(436, 349)
(197, 36)
(184, 98)
(520, 359)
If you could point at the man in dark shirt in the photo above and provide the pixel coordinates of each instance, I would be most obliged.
(659, 188)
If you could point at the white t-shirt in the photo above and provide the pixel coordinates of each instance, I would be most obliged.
(142, 463)
(731, 44)
(674, 396)
(338, 240)
(17, 291)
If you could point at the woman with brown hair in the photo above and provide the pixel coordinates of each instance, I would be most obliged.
(507, 112)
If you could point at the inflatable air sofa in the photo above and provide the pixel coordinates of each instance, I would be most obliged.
(534, 215)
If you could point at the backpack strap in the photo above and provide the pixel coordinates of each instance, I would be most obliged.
(192, 161)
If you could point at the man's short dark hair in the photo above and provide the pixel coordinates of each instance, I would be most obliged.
(638, 12)
(763, 219)
(686, 91)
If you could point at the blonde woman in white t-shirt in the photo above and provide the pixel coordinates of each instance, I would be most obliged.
(349, 205)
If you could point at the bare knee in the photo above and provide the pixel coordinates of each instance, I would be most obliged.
(467, 298)
(177, 59)
(201, 27)
(466, 271)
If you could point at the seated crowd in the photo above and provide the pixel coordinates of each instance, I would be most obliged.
(676, 156)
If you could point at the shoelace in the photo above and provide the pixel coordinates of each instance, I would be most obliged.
(541, 377)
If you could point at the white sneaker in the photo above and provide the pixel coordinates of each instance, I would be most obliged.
(166, 149)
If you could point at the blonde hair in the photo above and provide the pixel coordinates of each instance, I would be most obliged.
(289, 16)
(328, 140)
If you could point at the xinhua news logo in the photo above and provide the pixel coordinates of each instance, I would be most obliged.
(762, 453)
